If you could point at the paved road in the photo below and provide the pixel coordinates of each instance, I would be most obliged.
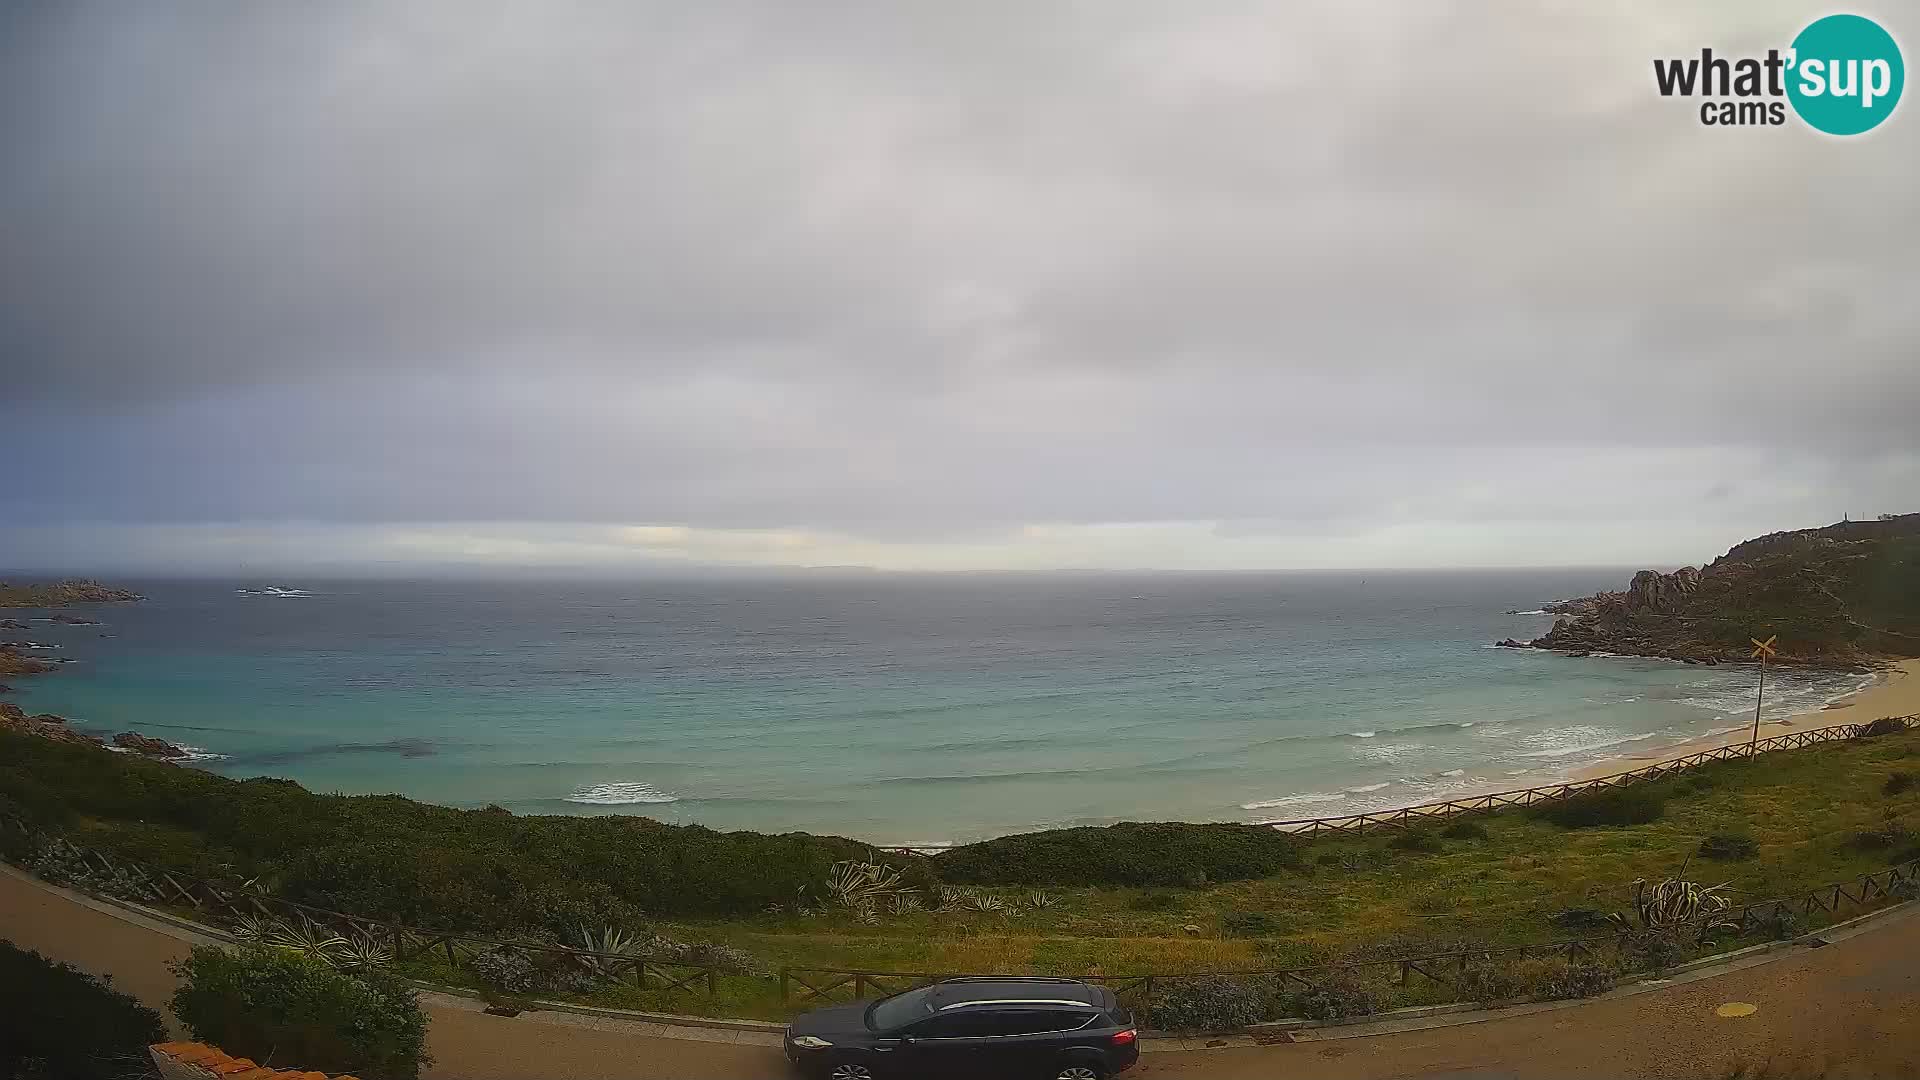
(1851, 1008)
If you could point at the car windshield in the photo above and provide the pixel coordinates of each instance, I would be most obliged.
(900, 1009)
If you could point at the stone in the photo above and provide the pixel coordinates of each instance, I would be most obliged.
(147, 745)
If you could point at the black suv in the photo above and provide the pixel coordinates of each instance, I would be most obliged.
(972, 1028)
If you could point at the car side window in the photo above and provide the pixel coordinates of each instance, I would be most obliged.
(1033, 1021)
(960, 1024)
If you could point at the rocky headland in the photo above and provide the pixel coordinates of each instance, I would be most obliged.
(16, 661)
(50, 594)
(1843, 596)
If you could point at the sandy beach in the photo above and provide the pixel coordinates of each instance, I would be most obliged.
(1894, 693)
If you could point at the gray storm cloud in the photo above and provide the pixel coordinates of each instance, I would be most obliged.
(908, 281)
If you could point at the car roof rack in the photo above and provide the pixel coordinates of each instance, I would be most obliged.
(1010, 979)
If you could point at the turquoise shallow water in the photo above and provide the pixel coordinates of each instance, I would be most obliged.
(898, 710)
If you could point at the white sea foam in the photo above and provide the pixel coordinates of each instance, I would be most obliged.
(1295, 800)
(1363, 789)
(200, 753)
(621, 794)
(1535, 611)
(1586, 748)
(1454, 772)
(1363, 734)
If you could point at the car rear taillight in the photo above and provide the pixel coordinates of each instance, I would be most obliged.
(1122, 1038)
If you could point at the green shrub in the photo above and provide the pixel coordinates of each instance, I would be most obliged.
(1886, 725)
(1494, 979)
(292, 1010)
(1211, 1003)
(1164, 853)
(1635, 805)
(57, 1023)
(1249, 924)
(389, 857)
(1335, 997)
(1892, 832)
(1897, 783)
(1727, 847)
(1465, 829)
(1417, 841)
(1153, 901)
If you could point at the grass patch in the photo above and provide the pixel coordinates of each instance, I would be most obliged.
(1347, 895)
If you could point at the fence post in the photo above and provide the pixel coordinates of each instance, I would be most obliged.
(786, 993)
(712, 989)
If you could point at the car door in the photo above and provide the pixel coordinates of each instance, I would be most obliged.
(949, 1046)
(1032, 1042)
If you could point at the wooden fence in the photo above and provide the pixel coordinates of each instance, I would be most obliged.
(1424, 813)
(803, 984)
(246, 912)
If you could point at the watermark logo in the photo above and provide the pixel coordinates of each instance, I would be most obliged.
(1842, 75)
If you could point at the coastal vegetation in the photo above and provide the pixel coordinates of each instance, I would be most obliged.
(58, 1023)
(292, 1008)
(1161, 898)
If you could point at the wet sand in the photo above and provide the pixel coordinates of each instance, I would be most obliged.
(1894, 693)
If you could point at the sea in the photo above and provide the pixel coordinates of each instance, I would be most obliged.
(916, 711)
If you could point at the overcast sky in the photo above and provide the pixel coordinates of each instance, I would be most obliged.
(932, 286)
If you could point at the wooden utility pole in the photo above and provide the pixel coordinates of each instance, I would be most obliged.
(1764, 651)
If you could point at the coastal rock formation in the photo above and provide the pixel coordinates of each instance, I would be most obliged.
(148, 745)
(61, 593)
(1842, 596)
(46, 726)
(12, 624)
(73, 620)
(13, 662)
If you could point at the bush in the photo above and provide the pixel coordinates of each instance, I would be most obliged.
(1729, 846)
(57, 1023)
(1886, 725)
(1249, 924)
(1465, 829)
(1636, 805)
(292, 1010)
(393, 858)
(1578, 919)
(1891, 833)
(1421, 843)
(1336, 997)
(1897, 783)
(1211, 1003)
(1164, 853)
(1542, 978)
(1153, 901)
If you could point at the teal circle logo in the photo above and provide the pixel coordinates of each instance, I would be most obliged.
(1846, 74)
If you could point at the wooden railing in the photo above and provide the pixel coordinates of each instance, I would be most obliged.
(803, 984)
(238, 907)
(1425, 813)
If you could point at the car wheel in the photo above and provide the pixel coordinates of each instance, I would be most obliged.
(849, 1070)
(1076, 1070)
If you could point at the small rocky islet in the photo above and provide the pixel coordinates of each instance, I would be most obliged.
(14, 662)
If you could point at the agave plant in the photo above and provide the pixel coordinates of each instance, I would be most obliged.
(251, 928)
(866, 912)
(850, 881)
(905, 903)
(954, 899)
(361, 952)
(1674, 903)
(1040, 901)
(305, 936)
(610, 940)
(986, 902)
